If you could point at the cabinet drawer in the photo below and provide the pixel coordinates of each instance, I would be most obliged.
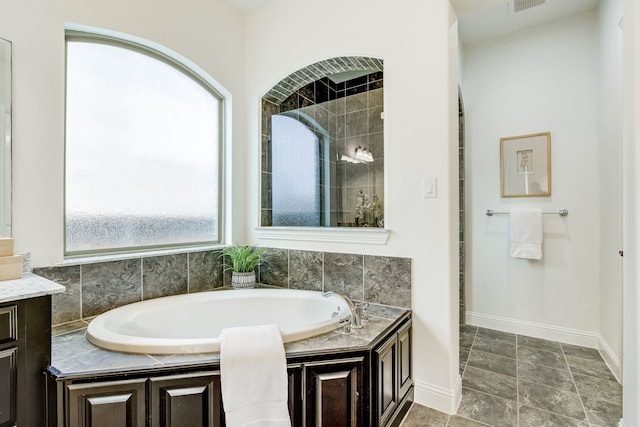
(193, 400)
(8, 324)
(108, 404)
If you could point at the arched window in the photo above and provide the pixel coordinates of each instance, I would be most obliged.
(143, 149)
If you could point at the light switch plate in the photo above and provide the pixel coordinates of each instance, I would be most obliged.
(429, 188)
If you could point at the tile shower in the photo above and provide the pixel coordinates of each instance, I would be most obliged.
(94, 288)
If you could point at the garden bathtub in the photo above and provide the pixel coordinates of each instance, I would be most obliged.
(191, 323)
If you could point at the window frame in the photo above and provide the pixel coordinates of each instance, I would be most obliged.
(79, 33)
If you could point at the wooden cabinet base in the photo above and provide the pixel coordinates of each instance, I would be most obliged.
(356, 389)
(25, 350)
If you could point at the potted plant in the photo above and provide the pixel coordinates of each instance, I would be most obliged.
(244, 260)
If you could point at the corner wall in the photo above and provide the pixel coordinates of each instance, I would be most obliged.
(413, 41)
(537, 80)
(631, 209)
(611, 184)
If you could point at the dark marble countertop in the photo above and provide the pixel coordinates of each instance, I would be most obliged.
(73, 356)
(30, 286)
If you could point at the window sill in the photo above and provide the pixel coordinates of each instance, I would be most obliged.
(372, 236)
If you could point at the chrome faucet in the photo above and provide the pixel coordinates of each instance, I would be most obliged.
(356, 321)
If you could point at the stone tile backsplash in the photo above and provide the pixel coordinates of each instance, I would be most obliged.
(98, 287)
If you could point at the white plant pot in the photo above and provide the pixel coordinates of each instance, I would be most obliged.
(243, 280)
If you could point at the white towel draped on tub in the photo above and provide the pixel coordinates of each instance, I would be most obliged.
(253, 369)
(526, 233)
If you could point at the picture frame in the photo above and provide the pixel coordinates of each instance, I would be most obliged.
(525, 165)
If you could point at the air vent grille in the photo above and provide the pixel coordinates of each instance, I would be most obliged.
(521, 5)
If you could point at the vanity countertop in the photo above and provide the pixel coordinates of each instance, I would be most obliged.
(30, 286)
(73, 356)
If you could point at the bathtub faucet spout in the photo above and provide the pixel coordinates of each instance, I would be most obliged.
(356, 321)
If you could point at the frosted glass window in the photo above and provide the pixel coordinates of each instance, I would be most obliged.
(142, 152)
(296, 187)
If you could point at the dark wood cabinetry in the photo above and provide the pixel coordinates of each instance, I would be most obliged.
(331, 390)
(25, 349)
(186, 400)
(404, 359)
(8, 386)
(393, 380)
(334, 394)
(112, 403)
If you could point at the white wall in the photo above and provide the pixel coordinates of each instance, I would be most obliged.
(610, 174)
(413, 40)
(538, 80)
(631, 209)
(211, 34)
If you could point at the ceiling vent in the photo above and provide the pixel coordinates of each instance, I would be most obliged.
(516, 6)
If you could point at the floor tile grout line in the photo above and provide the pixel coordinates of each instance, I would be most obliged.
(587, 418)
(518, 381)
(540, 349)
(517, 386)
(586, 421)
(470, 419)
(466, 363)
(576, 386)
(559, 389)
(556, 414)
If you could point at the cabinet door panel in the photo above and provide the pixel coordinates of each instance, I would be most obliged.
(404, 359)
(186, 400)
(8, 387)
(387, 379)
(296, 398)
(108, 404)
(8, 324)
(334, 393)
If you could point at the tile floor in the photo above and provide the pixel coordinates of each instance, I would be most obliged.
(519, 381)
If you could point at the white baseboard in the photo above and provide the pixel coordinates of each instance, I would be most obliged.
(549, 332)
(610, 358)
(536, 330)
(438, 398)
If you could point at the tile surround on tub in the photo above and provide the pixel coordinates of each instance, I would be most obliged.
(109, 285)
(387, 280)
(65, 307)
(205, 271)
(305, 270)
(164, 275)
(343, 273)
(275, 271)
(95, 288)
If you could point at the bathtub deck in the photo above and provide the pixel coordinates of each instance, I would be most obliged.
(73, 356)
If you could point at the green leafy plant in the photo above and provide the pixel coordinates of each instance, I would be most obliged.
(243, 258)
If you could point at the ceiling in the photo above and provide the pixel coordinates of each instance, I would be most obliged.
(483, 19)
(480, 20)
(248, 6)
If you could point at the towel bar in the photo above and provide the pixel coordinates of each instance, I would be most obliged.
(561, 212)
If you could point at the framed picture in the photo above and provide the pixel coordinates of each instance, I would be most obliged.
(525, 165)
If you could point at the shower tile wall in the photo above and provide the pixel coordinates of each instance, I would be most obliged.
(351, 114)
(98, 287)
(461, 170)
